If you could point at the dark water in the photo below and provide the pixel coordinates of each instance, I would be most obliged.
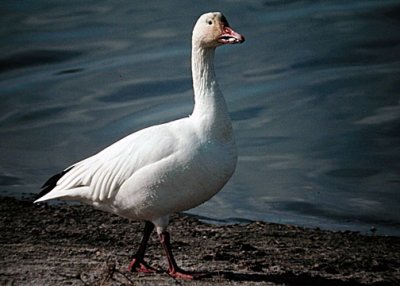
(314, 94)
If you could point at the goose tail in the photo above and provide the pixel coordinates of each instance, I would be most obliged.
(45, 193)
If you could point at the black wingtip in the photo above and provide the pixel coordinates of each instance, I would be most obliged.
(51, 183)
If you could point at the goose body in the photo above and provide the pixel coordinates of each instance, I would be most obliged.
(151, 173)
(167, 168)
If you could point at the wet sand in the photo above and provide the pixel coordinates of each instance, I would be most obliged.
(77, 245)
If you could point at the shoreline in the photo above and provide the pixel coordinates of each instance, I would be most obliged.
(78, 245)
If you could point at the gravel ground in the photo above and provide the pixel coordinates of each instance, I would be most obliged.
(77, 245)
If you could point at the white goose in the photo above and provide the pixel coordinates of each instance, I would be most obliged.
(166, 168)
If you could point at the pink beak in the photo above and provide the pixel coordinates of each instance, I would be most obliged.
(229, 36)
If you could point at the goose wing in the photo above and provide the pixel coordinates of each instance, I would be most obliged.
(99, 177)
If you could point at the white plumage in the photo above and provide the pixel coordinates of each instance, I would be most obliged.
(165, 168)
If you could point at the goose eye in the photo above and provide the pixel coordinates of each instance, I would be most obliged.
(210, 22)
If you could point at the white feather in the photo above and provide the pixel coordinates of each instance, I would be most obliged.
(165, 168)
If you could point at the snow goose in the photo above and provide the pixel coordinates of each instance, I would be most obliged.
(166, 168)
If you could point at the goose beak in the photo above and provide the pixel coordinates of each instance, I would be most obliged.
(229, 36)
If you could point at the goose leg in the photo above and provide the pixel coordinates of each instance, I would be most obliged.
(138, 264)
(173, 269)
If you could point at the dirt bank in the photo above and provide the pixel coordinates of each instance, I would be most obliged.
(77, 245)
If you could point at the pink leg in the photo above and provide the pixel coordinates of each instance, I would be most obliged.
(173, 269)
(138, 264)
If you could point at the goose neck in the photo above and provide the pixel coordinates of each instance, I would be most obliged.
(210, 109)
(203, 70)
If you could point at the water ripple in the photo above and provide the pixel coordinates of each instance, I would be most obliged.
(35, 58)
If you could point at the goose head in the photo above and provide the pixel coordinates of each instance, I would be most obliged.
(212, 30)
